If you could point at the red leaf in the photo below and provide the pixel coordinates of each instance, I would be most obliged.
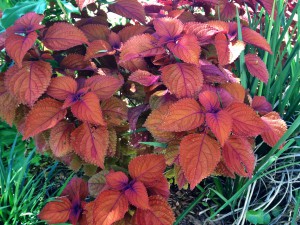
(160, 213)
(222, 170)
(209, 100)
(116, 180)
(104, 86)
(220, 124)
(26, 24)
(202, 31)
(182, 79)
(88, 109)
(199, 156)
(62, 36)
(183, 115)
(143, 77)
(30, 82)
(83, 3)
(260, 104)
(97, 49)
(227, 9)
(109, 207)
(90, 143)
(254, 38)
(268, 5)
(76, 189)
(140, 46)
(245, 121)
(60, 142)
(168, 27)
(134, 114)
(56, 211)
(130, 31)
(114, 110)
(236, 91)
(129, 8)
(147, 168)
(180, 179)
(186, 49)
(238, 156)
(275, 128)
(17, 46)
(61, 87)
(44, 115)
(137, 195)
(95, 32)
(257, 67)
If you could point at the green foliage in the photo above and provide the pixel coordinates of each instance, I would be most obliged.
(258, 217)
(10, 15)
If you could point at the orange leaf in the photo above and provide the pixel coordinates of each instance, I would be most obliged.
(61, 87)
(90, 143)
(62, 36)
(8, 104)
(209, 100)
(114, 110)
(159, 187)
(257, 67)
(236, 91)
(104, 86)
(202, 31)
(140, 46)
(222, 170)
(137, 195)
(199, 156)
(30, 82)
(113, 141)
(116, 180)
(88, 109)
(56, 211)
(127, 32)
(44, 115)
(154, 121)
(97, 183)
(238, 156)
(143, 77)
(98, 48)
(182, 79)
(75, 62)
(183, 115)
(245, 121)
(95, 32)
(275, 128)
(220, 124)
(129, 8)
(180, 179)
(186, 49)
(168, 27)
(76, 189)
(227, 51)
(109, 207)
(147, 168)
(60, 142)
(219, 25)
(83, 3)
(260, 104)
(160, 213)
(17, 46)
(254, 38)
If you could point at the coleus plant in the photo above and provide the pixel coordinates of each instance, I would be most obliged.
(91, 95)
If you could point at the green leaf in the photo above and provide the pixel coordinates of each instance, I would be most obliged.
(70, 8)
(12, 14)
(258, 217)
